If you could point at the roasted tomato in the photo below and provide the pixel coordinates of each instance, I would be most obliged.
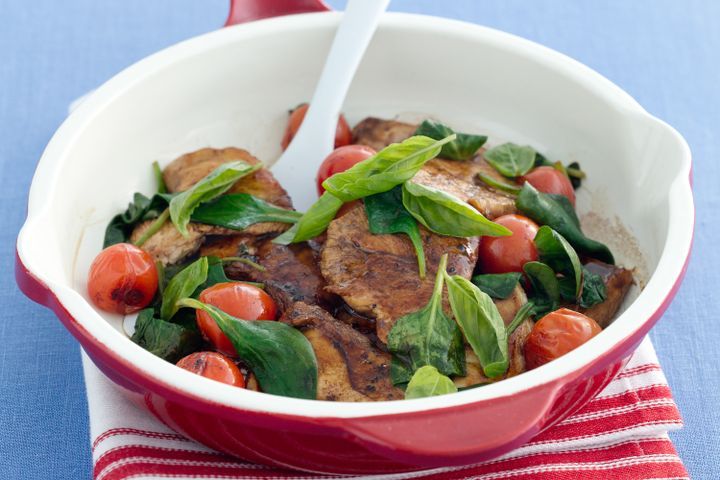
(556, 334)
(122, 279)
(340, 160)
(343, 135)
(509, 254)
(215, 366)
(550, 180)
(238, 299)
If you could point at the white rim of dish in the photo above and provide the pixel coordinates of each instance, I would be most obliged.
(651, 299)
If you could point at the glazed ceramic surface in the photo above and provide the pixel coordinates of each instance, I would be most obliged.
(233, 88)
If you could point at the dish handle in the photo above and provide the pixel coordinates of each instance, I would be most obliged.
(242, 11)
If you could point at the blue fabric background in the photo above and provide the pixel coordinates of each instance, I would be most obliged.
(663, 52)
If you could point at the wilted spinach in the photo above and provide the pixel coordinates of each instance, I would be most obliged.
(463, 147)
(556, 212)
(281, 358)
(427, 337)
(594, 290)
(446, 214)
(238, 211)
(169, 341)
(497, 285)
(481, 323)
(545, 293)
(428, 382)
(139, 210)
(386, 214)
(556, 252)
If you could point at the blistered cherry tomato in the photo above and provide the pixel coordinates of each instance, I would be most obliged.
(215, 366)
(550, 180)
(238, 299)
(343, 135)
(509, 254)
(122, 279)
(340, 160)
(556, 334)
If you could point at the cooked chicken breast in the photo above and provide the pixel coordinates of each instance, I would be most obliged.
(618, 281)
(458, 178)
(350, 367)
(168, 245)
(291, 273)
(377, 275)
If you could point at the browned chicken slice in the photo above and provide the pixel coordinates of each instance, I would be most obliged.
(458, 178)
(377, 275)
(290, 273)
(618, 281)
(168, 245)
(186, 170)
(350, 367)
(516, 344)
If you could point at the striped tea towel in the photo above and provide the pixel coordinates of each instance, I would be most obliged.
(621, 434)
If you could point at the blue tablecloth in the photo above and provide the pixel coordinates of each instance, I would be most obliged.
(663, 52)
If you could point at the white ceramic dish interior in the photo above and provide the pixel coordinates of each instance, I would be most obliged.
(233, 87)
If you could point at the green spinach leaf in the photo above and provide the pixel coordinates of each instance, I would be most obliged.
(182, 285)
(497, 285)
(594, 290)
(558, 254)
(545, 293)
(389, 167)
(280, 356)
(386, 214)
(558, 214)
(238, 211)
(142, 208)
(511, 160)
(428, 382)
(463, 147)
(427, 337)
(313, 222)
(169, 341)
(446, 214)
(481, 323)
(212, 186)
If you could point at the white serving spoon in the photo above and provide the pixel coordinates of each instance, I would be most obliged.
(296, 168)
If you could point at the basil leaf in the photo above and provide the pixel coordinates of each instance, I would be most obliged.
(545, 293)
(182, 285)
(212, 186)
(551, 211)
(167, 340)
(446, 214)
(281, 358)
(481, 323)
(389, 167)
(497, 285)
(556, 252)
(159, 179)
(313, 222)
(428, 382)
(594, 290)
(511, 160)
(386, 214)
(427, 337)
(462, 148)
(238, 211)
(140, 209)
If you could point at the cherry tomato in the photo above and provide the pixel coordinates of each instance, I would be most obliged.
(215, 366)
(340, 160)
(239, 300)
(550, 180)
(556, 334)
(509, 254)
(343, 135)
(122, 279)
